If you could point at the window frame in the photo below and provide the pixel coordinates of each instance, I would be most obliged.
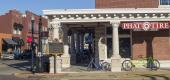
(161, 5)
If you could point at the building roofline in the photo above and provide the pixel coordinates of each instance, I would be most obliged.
(108, 10)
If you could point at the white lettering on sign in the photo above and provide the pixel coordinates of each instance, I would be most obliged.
(145, 25)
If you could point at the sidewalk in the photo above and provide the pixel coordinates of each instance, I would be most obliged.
(133, 75)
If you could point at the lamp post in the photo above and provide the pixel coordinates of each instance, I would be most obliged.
(40, 44)
(32, 44)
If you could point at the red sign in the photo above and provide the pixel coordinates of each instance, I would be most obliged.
(145, 25)
(29, 39)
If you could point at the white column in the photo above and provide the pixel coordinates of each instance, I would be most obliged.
(56, 32)
(66, 56)
(115, 40)
(116, 59)
(65, 41)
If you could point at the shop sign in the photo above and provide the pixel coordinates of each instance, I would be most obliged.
(56, 48)
(145, 26)
(29, 39)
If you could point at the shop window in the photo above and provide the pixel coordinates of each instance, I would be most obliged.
(19, 32)
(125, 47)
(164, 2)
(109, 30)
(109, 48)
(14, 31)
(44, 28)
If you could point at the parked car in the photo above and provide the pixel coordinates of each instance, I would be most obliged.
(7, 56)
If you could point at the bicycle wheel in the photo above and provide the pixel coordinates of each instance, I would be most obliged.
(89, 67)
(155, 65)
(105, 66)
(127, 65)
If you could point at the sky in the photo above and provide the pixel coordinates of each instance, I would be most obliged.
(37, 6)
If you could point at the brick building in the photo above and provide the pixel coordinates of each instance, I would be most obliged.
(117, 29)
(15, 26)
(27, 29)
(127, 3)
(149, 43)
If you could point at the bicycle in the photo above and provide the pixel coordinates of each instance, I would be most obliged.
(151, 63)
(104, 66)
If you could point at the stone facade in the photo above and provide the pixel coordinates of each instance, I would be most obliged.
(114, 17)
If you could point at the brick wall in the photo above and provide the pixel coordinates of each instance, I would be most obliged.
(127, 3)
(27, 25)
(151, 43)
(13, 16)
(6, 23)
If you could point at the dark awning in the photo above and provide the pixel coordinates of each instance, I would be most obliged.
(19, 41)
(9, 41)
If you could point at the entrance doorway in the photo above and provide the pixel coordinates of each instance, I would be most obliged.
(82, 46)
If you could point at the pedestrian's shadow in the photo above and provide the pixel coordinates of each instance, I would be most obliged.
(155, 77)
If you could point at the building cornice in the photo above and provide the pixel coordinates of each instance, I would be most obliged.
(111, 10)
(105, 15)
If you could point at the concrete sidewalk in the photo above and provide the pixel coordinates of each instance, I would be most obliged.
(134, 75)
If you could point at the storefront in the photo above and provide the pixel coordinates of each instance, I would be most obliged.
(7, 45)
(116, 33)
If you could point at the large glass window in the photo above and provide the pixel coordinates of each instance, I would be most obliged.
(109, 30)
(109, 48)
(164, 2)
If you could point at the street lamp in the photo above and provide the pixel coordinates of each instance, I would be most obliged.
(40, 43)
(32, 44)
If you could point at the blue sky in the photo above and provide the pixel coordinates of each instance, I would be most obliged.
(37, 6)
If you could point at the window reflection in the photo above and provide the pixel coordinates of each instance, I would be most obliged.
(164, 2)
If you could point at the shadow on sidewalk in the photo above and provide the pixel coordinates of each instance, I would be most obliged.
(23, 66)
(155, 77)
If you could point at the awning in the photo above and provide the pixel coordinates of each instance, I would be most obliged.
(9, 41)
(19, 41)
